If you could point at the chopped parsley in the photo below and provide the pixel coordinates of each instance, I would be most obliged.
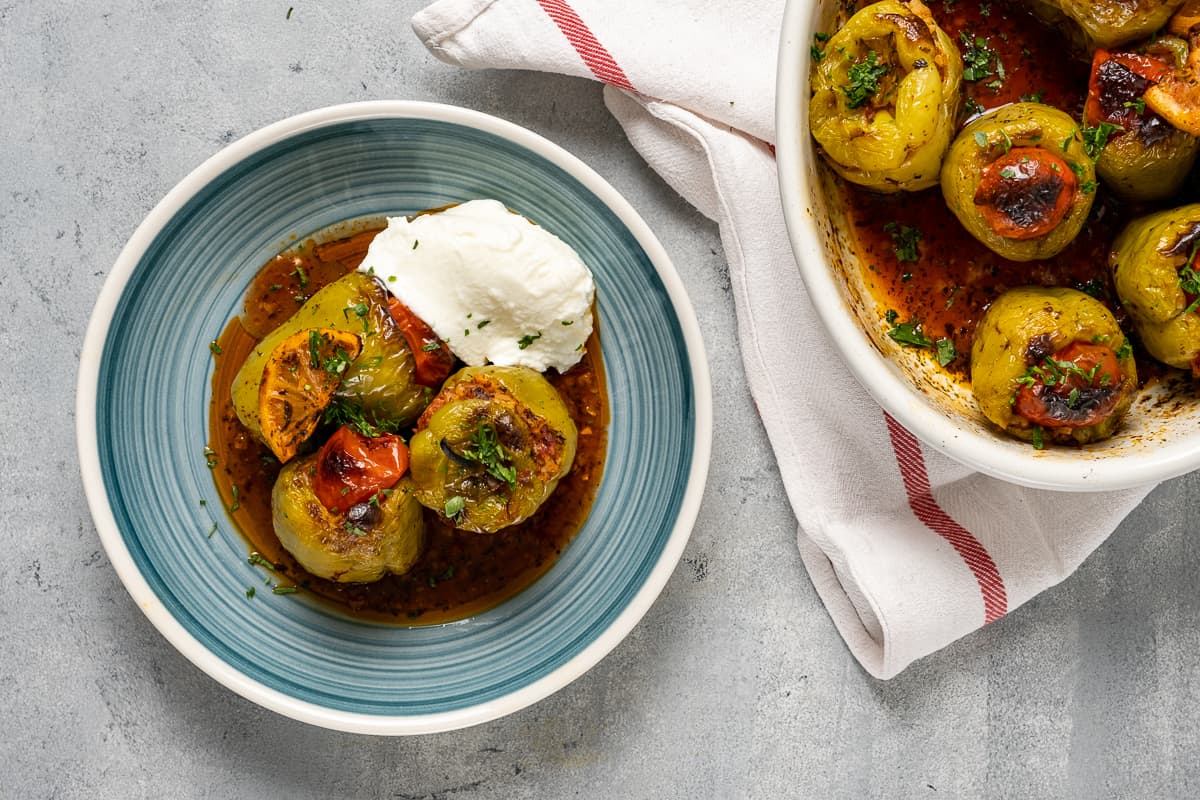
(909, 333)
(1095, 138)
(284, 590)
(250, 592)
(214, 347)
(210, 457)
(528, 339)
(904, 242)
(945, 352)
(1125, 350)
(816, 51)
(336, 364)
(1189, 279)
(1038, 442)
(351, 414)
(1052, 372)
(429, 347)
(256, 560)
(486, 449)
(979, 60)
(455, 505)
(864, 80)
(301, 276)
(315, 341)
(1138, 106)
(237, 502)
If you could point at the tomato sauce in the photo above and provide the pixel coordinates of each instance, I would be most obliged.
(460, 574)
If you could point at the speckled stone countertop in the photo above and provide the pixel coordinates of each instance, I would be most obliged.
(734, 685)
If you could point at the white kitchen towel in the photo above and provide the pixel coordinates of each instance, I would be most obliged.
(908, 549)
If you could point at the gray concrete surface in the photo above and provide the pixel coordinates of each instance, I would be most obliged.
(734, 685)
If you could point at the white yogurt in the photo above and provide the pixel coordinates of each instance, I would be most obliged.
(497, 288)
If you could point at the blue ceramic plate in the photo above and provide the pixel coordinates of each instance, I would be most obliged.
(144, 392)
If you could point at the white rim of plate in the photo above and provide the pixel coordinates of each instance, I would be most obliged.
(982, 452)
(97, 496)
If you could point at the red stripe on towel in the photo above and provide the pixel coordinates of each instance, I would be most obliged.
(598, 60)
(927, 510)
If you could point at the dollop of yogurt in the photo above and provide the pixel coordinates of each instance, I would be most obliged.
(494, 286)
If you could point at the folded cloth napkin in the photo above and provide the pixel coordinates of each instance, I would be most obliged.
(907, 549)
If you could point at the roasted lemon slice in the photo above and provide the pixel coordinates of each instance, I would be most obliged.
(298, 382)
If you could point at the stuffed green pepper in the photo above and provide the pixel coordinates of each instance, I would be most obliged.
(1052, 365)
(886, 97)
(1020, 181)
(1154, 272)
(491, 447)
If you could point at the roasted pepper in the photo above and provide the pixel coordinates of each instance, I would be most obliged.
(1052, 365)
(1156, 278)
(886, 97)
(373, 538)
(1141, 157)
(1092, 24)
(491, 447)
(1020, 181)
(380, 382)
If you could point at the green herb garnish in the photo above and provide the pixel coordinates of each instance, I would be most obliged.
(256, 560)
(904, 242)
(455, 505)
(978, 59)
(1095, 138)
(910, 334)
(486, 449)
(528, 339)
(351, 414)
(817, 52)
(315, 342)
(945, 352)
(864, 80)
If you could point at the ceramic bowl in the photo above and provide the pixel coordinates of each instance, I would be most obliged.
(1161, 436)
(144, 391)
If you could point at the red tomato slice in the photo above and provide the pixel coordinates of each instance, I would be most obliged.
(1072, 401)
(1113, 92)
(1025, 193)
(352, 468)
(434, 360)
